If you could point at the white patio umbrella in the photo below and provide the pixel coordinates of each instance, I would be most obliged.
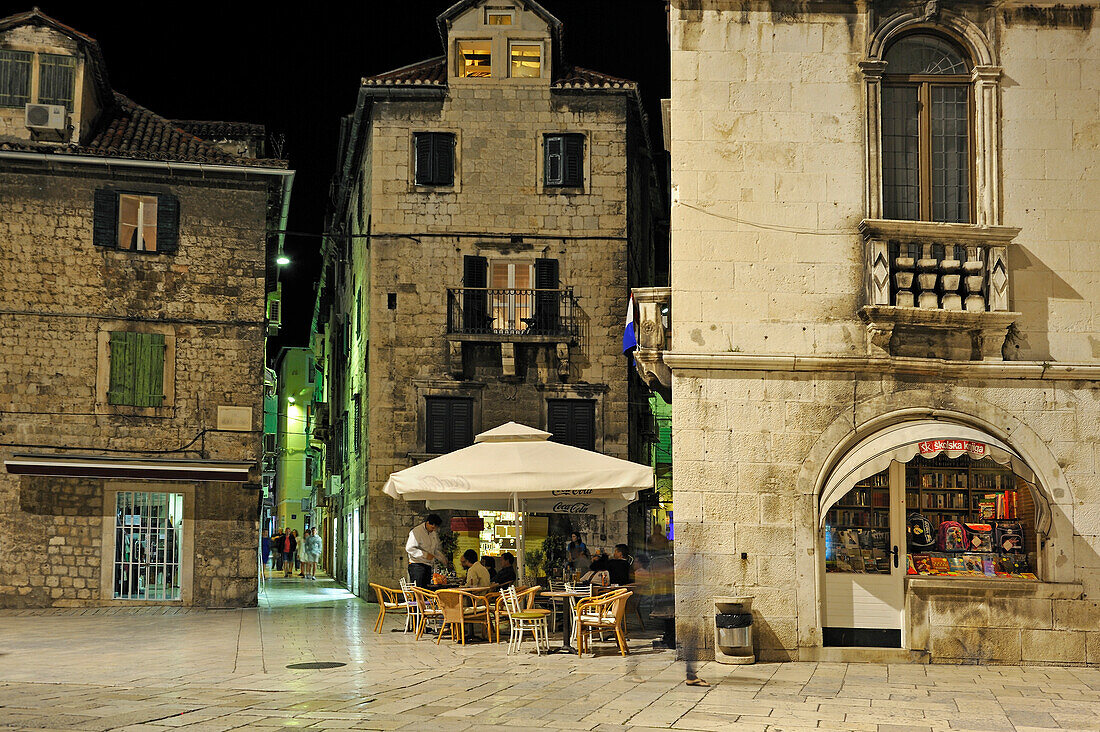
(516, 468)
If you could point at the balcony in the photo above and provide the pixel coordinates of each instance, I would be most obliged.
(512, 315)
(654, 338)
(937, 290)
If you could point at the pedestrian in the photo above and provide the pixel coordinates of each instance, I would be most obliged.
(311, 553)
(277, 542)
(290, 550)
(265, 550)
(424, 549)
(297, 554)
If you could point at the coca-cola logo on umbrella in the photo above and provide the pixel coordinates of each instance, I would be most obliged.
(578, 507)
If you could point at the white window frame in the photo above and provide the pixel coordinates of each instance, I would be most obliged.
(512, 321)
(520, 42)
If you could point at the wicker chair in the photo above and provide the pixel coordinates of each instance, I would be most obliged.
(428, 606)
(389, 599)
(452, 603)
(606, 612)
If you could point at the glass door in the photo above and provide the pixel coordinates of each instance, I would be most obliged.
(865, 563)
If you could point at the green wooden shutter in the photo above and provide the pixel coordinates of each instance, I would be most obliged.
(149, 372)
(168, 223)
(105, 218)
(122, 368)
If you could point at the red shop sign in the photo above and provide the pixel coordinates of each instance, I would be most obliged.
(931, 448)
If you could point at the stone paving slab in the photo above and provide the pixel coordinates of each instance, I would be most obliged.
(226, 670)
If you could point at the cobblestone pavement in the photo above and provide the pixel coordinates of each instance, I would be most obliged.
(151, 669)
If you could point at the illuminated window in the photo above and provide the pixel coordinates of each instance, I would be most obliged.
(498, 17)
(526, 60)
(474, 59)
(137, 222)
(512, 295)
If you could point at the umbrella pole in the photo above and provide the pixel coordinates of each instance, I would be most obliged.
(519, 538)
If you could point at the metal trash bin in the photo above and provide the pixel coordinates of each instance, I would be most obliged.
(734, 629)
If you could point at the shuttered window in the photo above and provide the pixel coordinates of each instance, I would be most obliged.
(449, 424)
(435, 158)
(564, 160)
(546, 296)
(15, 78)
(143, 222)
(572, 422)
(137, 369)
(475, 298)
(357, 401)
(56, 79)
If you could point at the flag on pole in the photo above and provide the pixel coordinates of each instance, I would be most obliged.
(630, 338)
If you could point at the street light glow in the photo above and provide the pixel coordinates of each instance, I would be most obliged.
(282, 260)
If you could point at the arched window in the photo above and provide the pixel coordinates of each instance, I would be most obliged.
(927, 154)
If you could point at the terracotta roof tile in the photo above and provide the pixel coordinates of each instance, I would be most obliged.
(129, 130)
(433, 73)
(217, 130)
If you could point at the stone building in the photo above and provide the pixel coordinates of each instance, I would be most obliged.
(132, 339)
(885, 294)
(292, 505)
(493, 207)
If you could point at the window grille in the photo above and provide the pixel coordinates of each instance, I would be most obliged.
(148, 545)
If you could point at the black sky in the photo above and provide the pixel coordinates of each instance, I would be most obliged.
(296, 70)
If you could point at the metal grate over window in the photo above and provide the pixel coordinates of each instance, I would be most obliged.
(148, 541)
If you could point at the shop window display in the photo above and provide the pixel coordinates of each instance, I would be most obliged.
(963, 518)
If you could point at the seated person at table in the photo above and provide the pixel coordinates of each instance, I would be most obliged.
(491, 565)
(476, 574)
(597, 572)
(506, 575)
(618, 567)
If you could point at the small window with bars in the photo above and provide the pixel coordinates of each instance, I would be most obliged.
(137, 369)
(572, 422)
(357, 401)
(15, 78)
(449, 424)
(435, 158)
(564, 165)
(56, 79)
(148, 545)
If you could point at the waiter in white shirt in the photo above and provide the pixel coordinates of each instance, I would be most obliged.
(423, 548)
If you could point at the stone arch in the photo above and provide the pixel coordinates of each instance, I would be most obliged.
(962, 29)
(1056, 557)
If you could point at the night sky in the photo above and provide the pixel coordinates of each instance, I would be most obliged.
(297, 69)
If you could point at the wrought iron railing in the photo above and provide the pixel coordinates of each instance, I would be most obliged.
(512, 312)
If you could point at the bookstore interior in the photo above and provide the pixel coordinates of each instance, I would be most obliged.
(964, 517)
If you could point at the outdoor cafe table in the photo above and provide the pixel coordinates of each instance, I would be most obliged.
(567, 616)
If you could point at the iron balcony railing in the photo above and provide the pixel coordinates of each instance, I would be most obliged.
(512, 312)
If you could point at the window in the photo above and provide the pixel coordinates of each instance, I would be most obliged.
(564, 160)
(475, 59)
(926, 150)
(572, 422)
(15, 78)
(56, 79)
(357, 402)
(358, 313)
(511, 294)
(498, 17)
(526, 60)
(435, 158)
(137, 369)
(137, 222)
(148, 545)
(449, 424)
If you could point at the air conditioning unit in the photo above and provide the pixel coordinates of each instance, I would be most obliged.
(47, 117)
(274, 313)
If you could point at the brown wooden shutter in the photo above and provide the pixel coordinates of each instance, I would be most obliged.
(553, 167)
(475, 302)
(573, 160)
(105, 218)
(449, 424)
(572, 422)
(423, 142)
(168, 223)
(443, 152)
(546, 303)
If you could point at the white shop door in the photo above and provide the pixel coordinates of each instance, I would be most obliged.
(865, 563)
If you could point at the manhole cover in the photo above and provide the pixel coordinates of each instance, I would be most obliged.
(317, 664)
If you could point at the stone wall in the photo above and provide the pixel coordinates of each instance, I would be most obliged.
(59, 292)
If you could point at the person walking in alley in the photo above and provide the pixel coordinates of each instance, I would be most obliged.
(297, 553)
(424, 549)
(311, 553)
(277, 549)
(290, 550)
(265, 550)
